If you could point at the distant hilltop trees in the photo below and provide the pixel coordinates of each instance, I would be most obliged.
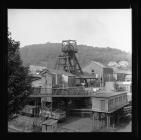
(46, 55)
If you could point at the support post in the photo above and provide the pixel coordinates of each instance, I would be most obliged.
(117, 118)
(108, 121)
(92, 120)
(113, 124)
(113, 121)
(98, 120)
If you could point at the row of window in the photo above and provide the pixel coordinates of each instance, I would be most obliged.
(117, 100)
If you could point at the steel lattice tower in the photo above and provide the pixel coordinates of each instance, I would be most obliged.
(67, 60)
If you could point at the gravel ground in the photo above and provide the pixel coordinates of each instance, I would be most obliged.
(72, 124)
(21, 123)
(127, 128)
(85, 125)
(77, 125)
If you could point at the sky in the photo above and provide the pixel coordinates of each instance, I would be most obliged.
(92, 27)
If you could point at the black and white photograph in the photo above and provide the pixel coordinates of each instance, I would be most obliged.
(69, 70)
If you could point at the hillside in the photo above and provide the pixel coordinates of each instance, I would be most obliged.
(42, 54)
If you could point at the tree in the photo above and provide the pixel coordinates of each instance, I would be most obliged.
(19, 82)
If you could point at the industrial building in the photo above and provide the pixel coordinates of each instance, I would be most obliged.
(122, 74)
(34, 69)
(106, 107)
(56, 92)
(101, 71)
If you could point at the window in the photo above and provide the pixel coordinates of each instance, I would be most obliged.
(120, 99)
(112, 101)
(102, 105)
(124, 97)
(116, 99)
(109, 102)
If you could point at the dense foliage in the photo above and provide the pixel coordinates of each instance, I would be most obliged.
(42, 54)
(19, 82)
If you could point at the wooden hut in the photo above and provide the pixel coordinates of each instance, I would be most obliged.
(49, 125)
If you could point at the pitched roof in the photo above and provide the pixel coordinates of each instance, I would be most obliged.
(35, 77)
(61, 72)
(54, 71)
(34, 68)
(98, 63)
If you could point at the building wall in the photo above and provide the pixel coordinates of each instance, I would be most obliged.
(53, 80)
(126, 85)
(128, 78)
(46, 83)
(117, 102)
(37, 83)
(71, 81)
(108, 74)
(97, 104)
(120, 77)
(103, 72)
(63, 80)
(111, 103)
(43, 79)
(47, 80)
(92, 66)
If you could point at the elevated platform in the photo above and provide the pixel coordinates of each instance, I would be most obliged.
(62, 92)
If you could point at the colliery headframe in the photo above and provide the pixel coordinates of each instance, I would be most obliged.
(67, 61)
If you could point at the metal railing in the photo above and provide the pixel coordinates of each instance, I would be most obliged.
(62, 91)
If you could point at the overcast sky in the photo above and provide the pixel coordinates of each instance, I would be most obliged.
(94, 27)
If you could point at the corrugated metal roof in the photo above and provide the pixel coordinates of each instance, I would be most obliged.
(36, 67)
(107, 94)
(86, 76)
(44, 71)
(60, 72)
(97, 63)
(54, 71)
(33, 69)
